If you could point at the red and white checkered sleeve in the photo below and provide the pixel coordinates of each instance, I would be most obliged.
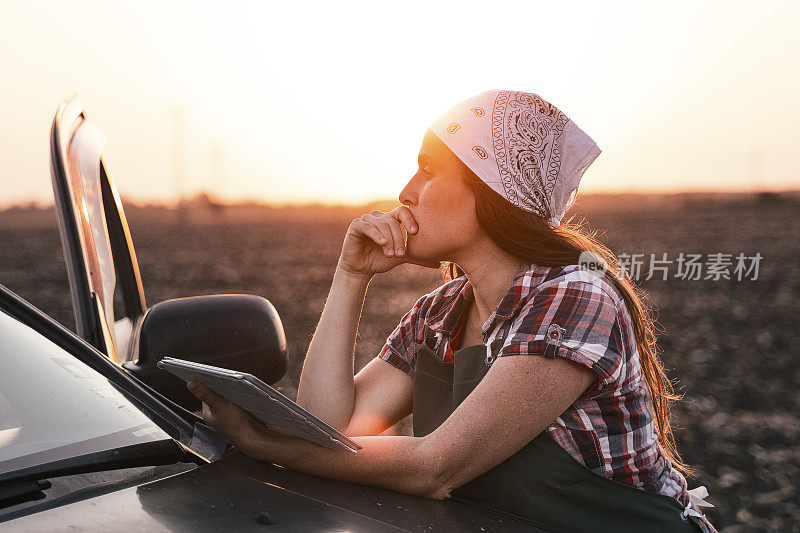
(400, 349)
(573, 319)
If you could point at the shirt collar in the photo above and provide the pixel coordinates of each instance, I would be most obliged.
(446, 319)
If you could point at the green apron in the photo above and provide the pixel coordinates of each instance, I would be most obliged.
(541, 484)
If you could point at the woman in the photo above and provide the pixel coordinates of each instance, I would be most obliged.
(534, 381)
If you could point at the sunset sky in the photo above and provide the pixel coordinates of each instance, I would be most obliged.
(329, 101)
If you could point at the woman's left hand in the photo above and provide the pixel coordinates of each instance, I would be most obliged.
(228, 419)
(254, 438)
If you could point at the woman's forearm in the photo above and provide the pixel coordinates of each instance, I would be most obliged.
(391, 462)
(326, 381)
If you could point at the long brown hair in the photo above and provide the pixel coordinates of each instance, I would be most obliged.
(530, 238)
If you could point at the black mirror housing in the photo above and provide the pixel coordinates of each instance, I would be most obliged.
(236, 331)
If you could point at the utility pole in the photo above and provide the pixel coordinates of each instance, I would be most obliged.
(218, 169)
(178, 149)
(756, 169)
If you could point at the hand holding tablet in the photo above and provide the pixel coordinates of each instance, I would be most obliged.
(262, 401)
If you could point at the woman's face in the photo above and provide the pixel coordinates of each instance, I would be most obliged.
(441, 203)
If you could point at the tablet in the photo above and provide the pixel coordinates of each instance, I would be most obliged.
(262, 401)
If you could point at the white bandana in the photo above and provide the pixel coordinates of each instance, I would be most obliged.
(521, 146)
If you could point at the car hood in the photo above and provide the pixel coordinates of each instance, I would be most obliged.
(230, 494)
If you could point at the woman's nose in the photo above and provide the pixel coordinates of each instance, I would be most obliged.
(409, 193)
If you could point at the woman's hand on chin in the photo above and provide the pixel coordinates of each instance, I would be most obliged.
(376, 242)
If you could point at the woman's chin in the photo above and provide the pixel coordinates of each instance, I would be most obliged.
(423, 260)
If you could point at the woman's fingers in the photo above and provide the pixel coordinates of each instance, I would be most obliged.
(373, 232)
(397, 232)
(385, 228)
(202, 392)
(385, 239)
(403, 214)
(370, 230)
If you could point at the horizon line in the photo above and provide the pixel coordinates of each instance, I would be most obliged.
(214, 199)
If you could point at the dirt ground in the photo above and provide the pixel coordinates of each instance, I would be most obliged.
(733, 345)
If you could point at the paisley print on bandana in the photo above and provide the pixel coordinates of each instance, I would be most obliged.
(521, 146)
(528, 158)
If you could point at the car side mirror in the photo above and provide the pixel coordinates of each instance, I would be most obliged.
(236, 331)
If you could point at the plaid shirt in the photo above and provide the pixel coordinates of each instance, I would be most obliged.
(564, 312)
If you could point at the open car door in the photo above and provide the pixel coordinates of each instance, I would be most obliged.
(97, 243)
(237, 331)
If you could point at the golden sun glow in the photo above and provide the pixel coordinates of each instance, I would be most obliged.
(328, 102)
